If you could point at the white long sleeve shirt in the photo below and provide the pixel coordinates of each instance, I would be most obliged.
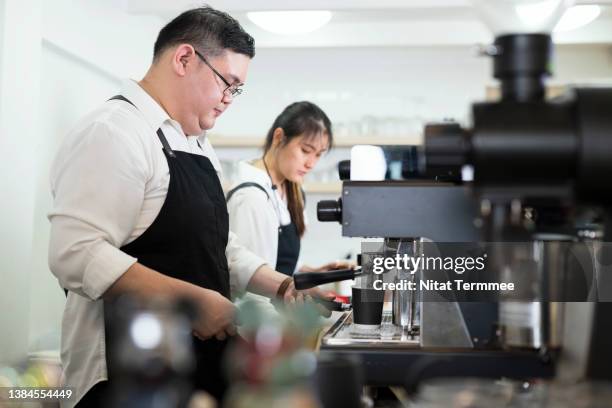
(109, 181)
(254, 216)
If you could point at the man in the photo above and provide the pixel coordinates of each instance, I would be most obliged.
(138, 207)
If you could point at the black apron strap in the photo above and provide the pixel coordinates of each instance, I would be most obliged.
(165, 143)
(244, 185)
(160, 134)
(122, 98)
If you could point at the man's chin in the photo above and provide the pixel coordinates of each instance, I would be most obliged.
(207, 125)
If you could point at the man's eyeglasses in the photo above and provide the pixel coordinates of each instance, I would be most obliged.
(233, 89)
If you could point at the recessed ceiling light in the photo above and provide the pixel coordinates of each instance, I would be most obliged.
(577, 16)
(539, 14)
(290, 22)
(521, 16)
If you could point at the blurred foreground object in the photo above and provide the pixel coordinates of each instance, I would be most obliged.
(152, 353)
(272, 365)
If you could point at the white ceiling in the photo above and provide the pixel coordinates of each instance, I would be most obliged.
(252, 5)
(358, 23)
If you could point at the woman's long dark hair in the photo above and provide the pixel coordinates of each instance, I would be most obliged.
(299, 119)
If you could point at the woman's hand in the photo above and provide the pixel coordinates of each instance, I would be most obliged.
(293, 296)
(331, 266)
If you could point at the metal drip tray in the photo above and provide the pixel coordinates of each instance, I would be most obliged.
(388, 355)
(346, 334)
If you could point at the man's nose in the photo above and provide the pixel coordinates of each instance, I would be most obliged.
(227, 98)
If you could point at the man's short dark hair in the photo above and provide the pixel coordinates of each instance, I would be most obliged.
(210, 31)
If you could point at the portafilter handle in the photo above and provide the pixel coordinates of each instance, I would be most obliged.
(307, 280)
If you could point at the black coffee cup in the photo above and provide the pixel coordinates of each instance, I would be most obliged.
(339, 380)
(367, 306)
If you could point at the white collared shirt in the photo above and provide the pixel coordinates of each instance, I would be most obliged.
(109, 181)
(256, 217)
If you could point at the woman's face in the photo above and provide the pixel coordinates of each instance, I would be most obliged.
(298, 157)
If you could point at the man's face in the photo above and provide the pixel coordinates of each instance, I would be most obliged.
(204, 93)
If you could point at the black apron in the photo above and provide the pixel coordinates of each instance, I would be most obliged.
(288, 250)
(187, 241)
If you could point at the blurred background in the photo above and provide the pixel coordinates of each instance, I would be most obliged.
(379, 68)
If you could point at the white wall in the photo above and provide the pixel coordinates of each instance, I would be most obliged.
(69, 90)
(102, 33)
(19, 137)
(350, 83)
(86, 46)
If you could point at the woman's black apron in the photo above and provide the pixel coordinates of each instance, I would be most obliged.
(288, 250)
(187, 241)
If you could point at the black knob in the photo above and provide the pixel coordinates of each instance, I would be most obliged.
(329, 210)
(521, 64)
(446, 145)
(344, 169)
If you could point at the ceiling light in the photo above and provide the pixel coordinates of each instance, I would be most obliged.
(290, 22)
(577, 16)
(538, 14)
(521, 16)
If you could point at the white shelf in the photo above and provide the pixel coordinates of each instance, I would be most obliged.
(330, 187)
(493, 92)
(219, 141)
(314, 187)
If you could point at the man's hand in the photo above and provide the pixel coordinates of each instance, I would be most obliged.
(215, 313)
(215, 316)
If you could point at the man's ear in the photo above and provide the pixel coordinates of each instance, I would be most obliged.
(182, 56)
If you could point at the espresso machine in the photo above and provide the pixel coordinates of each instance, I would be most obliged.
(530, 176)
(421, 338)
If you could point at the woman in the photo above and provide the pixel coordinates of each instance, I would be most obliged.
(266, 204)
